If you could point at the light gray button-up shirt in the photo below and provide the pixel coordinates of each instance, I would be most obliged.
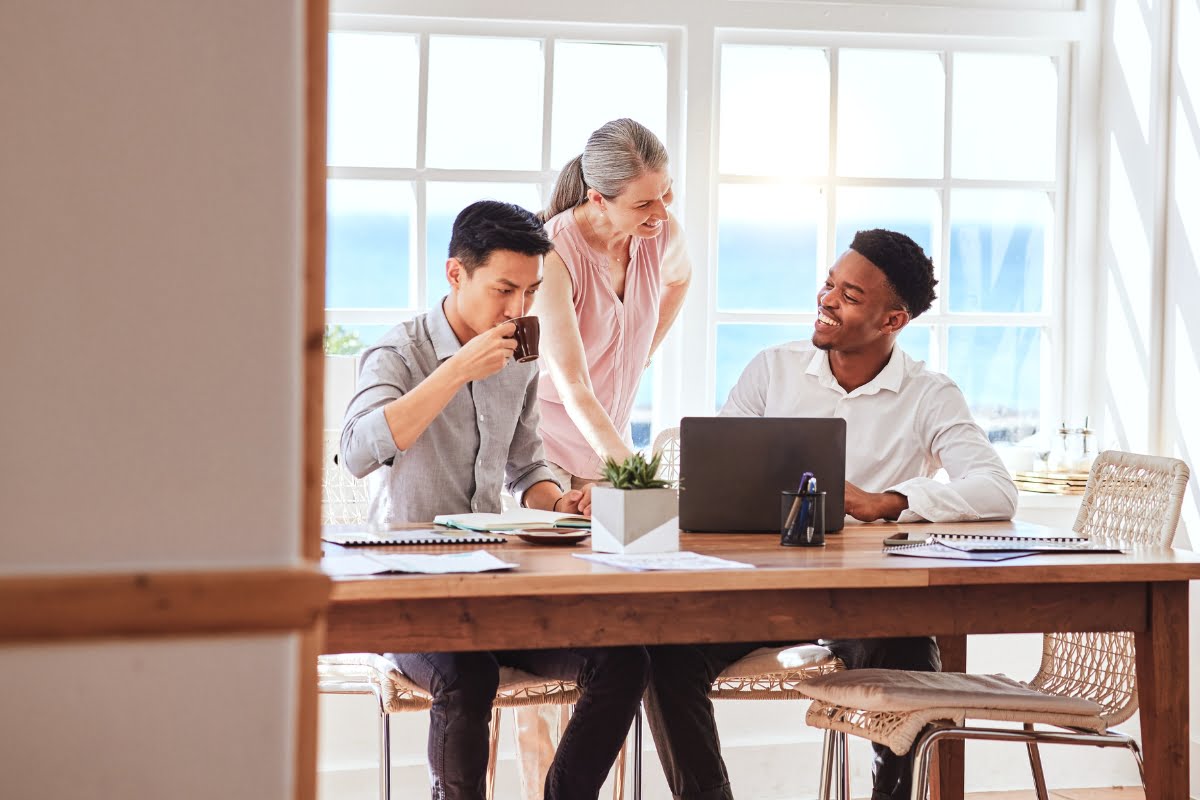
(485, 438)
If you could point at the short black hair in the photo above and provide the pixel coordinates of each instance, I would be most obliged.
(489, 225)
(903, 263)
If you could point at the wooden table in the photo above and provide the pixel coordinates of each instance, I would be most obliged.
(846, 589)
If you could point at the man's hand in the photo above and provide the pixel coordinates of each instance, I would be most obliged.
(870, 506)
(486, 354)
(576, 501)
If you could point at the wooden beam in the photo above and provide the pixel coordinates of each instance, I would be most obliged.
(55, 607)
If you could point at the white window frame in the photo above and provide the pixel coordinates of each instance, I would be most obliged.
(420, 175)
(939, 318)
(684, 376)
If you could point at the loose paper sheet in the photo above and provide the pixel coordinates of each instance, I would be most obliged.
(663, 561)
(439, 564)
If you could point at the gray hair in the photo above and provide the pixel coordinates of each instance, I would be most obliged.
(616, 153)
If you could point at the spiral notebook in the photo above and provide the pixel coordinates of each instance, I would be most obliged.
(997, 548)
(351, 535)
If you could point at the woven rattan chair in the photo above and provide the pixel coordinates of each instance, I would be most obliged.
(368, 673)
(344, 501)
(1086, 683)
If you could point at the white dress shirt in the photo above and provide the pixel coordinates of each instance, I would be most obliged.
(901, 428)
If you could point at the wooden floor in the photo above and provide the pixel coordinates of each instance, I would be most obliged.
(1064, 794)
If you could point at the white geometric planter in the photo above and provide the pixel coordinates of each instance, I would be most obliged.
(635, 520)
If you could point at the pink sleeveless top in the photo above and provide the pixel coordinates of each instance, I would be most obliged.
(616, 337)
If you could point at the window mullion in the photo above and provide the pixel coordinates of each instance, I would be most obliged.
(420, 262)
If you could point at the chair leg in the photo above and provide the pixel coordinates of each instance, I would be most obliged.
(385, 749)
(826, 766)
(842, 755)
(1137, 756)
(637, 753)
(1035, 766)
(493, 748)
(922, 759)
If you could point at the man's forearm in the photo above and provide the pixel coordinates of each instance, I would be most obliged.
(409, 415)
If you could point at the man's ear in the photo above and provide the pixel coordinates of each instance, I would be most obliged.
(455, 273)
(895, 320)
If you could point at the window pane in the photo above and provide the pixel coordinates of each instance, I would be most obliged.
(738, 344)
(774, 110)
(372, 100)
(999, 242)
(913, 212)
(999, 370)
(444, 201)
(891, 111)
(368, 244)
(914, 340)
(1005, 116)
(592, 85)
(485, 103)
(643, 409)
(767, 247)
(350, 340)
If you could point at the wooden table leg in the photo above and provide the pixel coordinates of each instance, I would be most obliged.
(1162, 680)
(949, 763)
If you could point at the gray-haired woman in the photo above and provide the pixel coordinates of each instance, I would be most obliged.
(613, 286)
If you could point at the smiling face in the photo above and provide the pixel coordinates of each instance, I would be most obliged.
(641, 207)
(857, 309)
(499, 289)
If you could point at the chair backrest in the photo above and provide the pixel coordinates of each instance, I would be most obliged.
(344, 498)
(667, 443)
(1135, 500)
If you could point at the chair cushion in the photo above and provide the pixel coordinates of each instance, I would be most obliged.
(769, 660)
(897, 690)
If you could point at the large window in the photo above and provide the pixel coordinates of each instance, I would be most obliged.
(427, 118)
(796, 137)
(960, 149)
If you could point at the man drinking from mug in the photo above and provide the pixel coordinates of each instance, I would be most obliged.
(443, 409)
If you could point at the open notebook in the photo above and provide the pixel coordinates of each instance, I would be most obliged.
(513, 519)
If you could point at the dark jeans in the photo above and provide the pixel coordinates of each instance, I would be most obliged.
(685, 730)
(463, 686)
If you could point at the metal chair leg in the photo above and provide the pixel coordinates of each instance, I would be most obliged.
(826, 766)
(493, 747)
(1035, 766)
(842, 763)
(1137, 756)
(637, 753)
(385, 748)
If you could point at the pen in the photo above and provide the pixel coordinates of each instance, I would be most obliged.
(796, 504)
(810, 495)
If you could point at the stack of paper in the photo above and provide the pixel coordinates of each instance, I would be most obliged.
(376, 563)
(1051, 482)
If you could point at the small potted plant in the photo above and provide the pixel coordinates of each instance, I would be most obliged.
(637, 512)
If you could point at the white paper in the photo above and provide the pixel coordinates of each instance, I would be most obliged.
(663, 561)
(440, 564)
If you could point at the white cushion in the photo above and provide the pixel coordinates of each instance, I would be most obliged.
(770, 660)
(901, 691)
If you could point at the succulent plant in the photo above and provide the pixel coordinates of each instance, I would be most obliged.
(635, 472)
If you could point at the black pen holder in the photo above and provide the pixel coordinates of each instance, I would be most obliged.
(802, 519)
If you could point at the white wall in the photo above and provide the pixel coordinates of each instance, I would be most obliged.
(150, 225)
(1149, 205)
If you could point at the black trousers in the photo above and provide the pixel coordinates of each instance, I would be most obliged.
(685, 729)
(463, 686)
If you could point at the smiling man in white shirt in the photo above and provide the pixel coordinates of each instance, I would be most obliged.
(903, 424)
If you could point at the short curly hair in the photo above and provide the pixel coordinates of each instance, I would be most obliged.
(903, 262)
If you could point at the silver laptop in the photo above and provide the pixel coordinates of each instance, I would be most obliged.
(732, 470)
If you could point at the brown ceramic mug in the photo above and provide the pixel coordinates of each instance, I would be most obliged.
(528, 334)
